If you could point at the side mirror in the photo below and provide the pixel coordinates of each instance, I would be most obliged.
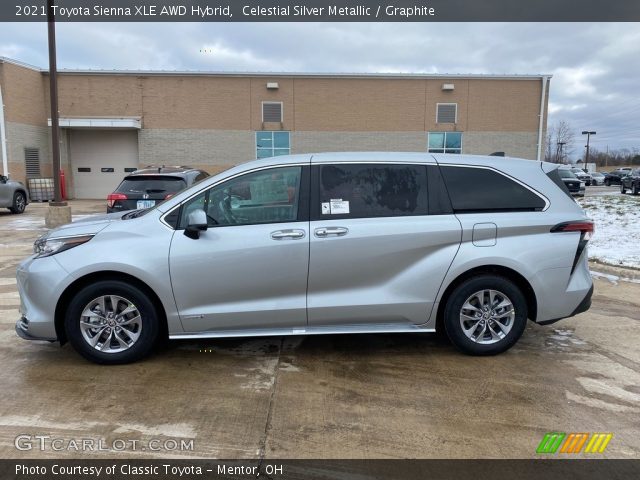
(196, 223)
(3, 179)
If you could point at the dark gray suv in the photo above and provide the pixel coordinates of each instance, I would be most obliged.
(13, 195)
(146, 187)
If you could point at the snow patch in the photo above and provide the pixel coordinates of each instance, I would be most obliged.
(617, 237)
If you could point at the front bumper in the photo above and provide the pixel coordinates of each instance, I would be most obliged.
(22, 331)
(40, 283)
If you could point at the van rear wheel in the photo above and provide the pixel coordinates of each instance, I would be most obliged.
(485, 315)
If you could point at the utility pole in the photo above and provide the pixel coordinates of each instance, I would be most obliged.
(588, 133)
(53, 94)
(560, 151)
(58, 212)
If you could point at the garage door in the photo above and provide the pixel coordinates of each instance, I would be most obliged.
(100, 159)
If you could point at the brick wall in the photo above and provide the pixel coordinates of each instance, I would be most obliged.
(195, 147)
(210, 121)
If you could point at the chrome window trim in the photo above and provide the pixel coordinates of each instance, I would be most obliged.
(257, 169)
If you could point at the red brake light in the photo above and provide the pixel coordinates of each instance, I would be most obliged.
(112, 197)
(168, 196)
(587, 228)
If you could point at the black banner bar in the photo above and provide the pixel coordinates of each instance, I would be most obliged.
(547, 469)
(323, 11)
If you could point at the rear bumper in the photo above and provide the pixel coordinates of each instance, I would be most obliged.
(584, 305)
(561, 292)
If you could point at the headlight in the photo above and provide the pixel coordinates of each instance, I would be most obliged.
(44, 247)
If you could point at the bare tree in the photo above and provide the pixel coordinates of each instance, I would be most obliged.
(564, 138)
(560, 139)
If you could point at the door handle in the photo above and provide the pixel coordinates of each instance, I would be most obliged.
(331, 231)
(290, 234)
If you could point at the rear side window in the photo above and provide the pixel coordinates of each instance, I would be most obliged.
(371, 190)
(151, 184)
(474, 189)
(556, 177)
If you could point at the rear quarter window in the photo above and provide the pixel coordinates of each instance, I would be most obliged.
(475, 189)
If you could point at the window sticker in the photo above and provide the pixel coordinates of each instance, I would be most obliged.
(339, 206)
(326, 209)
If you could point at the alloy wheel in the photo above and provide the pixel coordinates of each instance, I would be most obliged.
(487, 316)
(110, 324)
(20, 203)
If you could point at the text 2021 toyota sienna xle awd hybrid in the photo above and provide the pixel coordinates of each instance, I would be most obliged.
(326, 243)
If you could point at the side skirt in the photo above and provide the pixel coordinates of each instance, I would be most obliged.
(329, 330)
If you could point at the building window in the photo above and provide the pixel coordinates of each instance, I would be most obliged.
(32, 162)
(447, 113)
(272, 144)
(445, 142)
(272, 112)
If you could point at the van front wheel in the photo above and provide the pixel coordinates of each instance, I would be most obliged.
(112, 322)
(485, 315)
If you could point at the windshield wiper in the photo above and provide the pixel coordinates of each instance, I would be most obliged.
(134, 213)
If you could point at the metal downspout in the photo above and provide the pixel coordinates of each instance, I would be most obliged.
(545, 80)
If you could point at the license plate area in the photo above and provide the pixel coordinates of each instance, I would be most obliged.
(145, 204)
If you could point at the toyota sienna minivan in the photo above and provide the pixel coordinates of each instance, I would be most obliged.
(324, 243)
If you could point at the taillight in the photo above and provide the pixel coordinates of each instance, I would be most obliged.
(168, 196)
(586, 229)
(113, 197)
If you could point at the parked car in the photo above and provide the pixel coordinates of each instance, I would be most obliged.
(146, 187)
(614, 177)
(597, 178)
(319, 244)
(574, 185)
(631, 182)
(13, 195)
(582, 175)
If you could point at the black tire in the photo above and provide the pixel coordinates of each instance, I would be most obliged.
(607, 183)
(466, 289)
(636, 189)
(148, 319)
(19, 203)
(622, 189)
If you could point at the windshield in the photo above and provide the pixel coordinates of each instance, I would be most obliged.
(565, 173)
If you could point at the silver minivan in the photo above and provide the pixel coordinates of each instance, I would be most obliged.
(324, 243)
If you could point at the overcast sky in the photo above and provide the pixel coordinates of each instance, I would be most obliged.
(595, 67)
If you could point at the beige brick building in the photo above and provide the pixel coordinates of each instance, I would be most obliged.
(115, 121)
